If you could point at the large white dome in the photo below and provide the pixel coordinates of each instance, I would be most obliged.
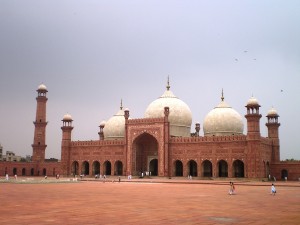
(180, 116)
(223, 121)
(115, 127)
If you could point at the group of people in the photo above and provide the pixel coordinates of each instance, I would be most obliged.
(232, 189)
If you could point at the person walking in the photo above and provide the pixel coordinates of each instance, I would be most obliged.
(273, 190)
(231, 188)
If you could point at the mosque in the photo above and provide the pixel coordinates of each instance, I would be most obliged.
(162, 144)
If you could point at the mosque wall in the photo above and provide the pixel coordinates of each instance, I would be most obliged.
(30, 168)
(291, 170)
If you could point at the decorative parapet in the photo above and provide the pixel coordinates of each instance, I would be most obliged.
(208, 139)
(98, 143)
(146, 120)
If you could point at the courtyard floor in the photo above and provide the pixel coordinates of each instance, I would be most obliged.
(147, 201)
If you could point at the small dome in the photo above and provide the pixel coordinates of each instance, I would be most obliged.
(103, 122)
(115, 126)
(42, 87)
(252, 102)
(272, 113)
(67, 117)
(223, 121)
(180, 115)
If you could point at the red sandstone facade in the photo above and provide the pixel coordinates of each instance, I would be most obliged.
(148, 147)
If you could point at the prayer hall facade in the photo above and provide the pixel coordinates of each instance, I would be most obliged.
(162, 144)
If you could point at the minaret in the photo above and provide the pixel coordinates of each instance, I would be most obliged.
(253, 119)
(66, 144)
(39, 140)
(253, 160)
(273, 127)
(101, 133)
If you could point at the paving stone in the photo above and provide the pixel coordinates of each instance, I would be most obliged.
(152, 201)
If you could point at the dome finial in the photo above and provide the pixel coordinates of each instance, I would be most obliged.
(222, 98)
(121, 107)
(168, 83)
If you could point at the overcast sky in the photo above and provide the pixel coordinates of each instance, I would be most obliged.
(92, 54)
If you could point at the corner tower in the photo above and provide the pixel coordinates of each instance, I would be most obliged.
(39, 140)
(253, 158)
(66, 144)
(273, 127)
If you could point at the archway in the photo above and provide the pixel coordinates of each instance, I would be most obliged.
(223, 168)
(32, 172)
(178, 168)
(85, 168)
(44, 172)
(207, 168)
(192, 168)
(238, 168)
(145, 149)
(153, 167)
(15, 171)
(75, 168)
(118, 168)
(23, 172)
(284, 174)
(96, 168)
(107, 168)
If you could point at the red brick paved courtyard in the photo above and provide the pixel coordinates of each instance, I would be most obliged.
(90, 202)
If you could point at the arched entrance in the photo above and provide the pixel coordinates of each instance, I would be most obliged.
(153, 167)
(15, 171)
(223, 168)
(107, 168)
(238, 168)
(75, 168)
(178, 168)
(23, 172)
(96, 168)
(192, 168)
(145, 149)
(32, 172)
(85, 170)
(207, 168)
(284, 174)
(118, 168)
(44, 172)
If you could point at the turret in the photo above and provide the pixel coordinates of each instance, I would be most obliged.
(253, 119)
(66, 144)
(197, 128)
(101, 133)
(39, 140)
(273, 133)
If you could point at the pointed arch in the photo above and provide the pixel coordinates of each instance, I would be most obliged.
(75, 168)
(223, 168)
(118, 168)
(207, 168)
(238, 168)
(85, 170)
(192, 168)
(178, 166)
(153, 167)
(107, 168)
(145, 149)
(96, 168)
